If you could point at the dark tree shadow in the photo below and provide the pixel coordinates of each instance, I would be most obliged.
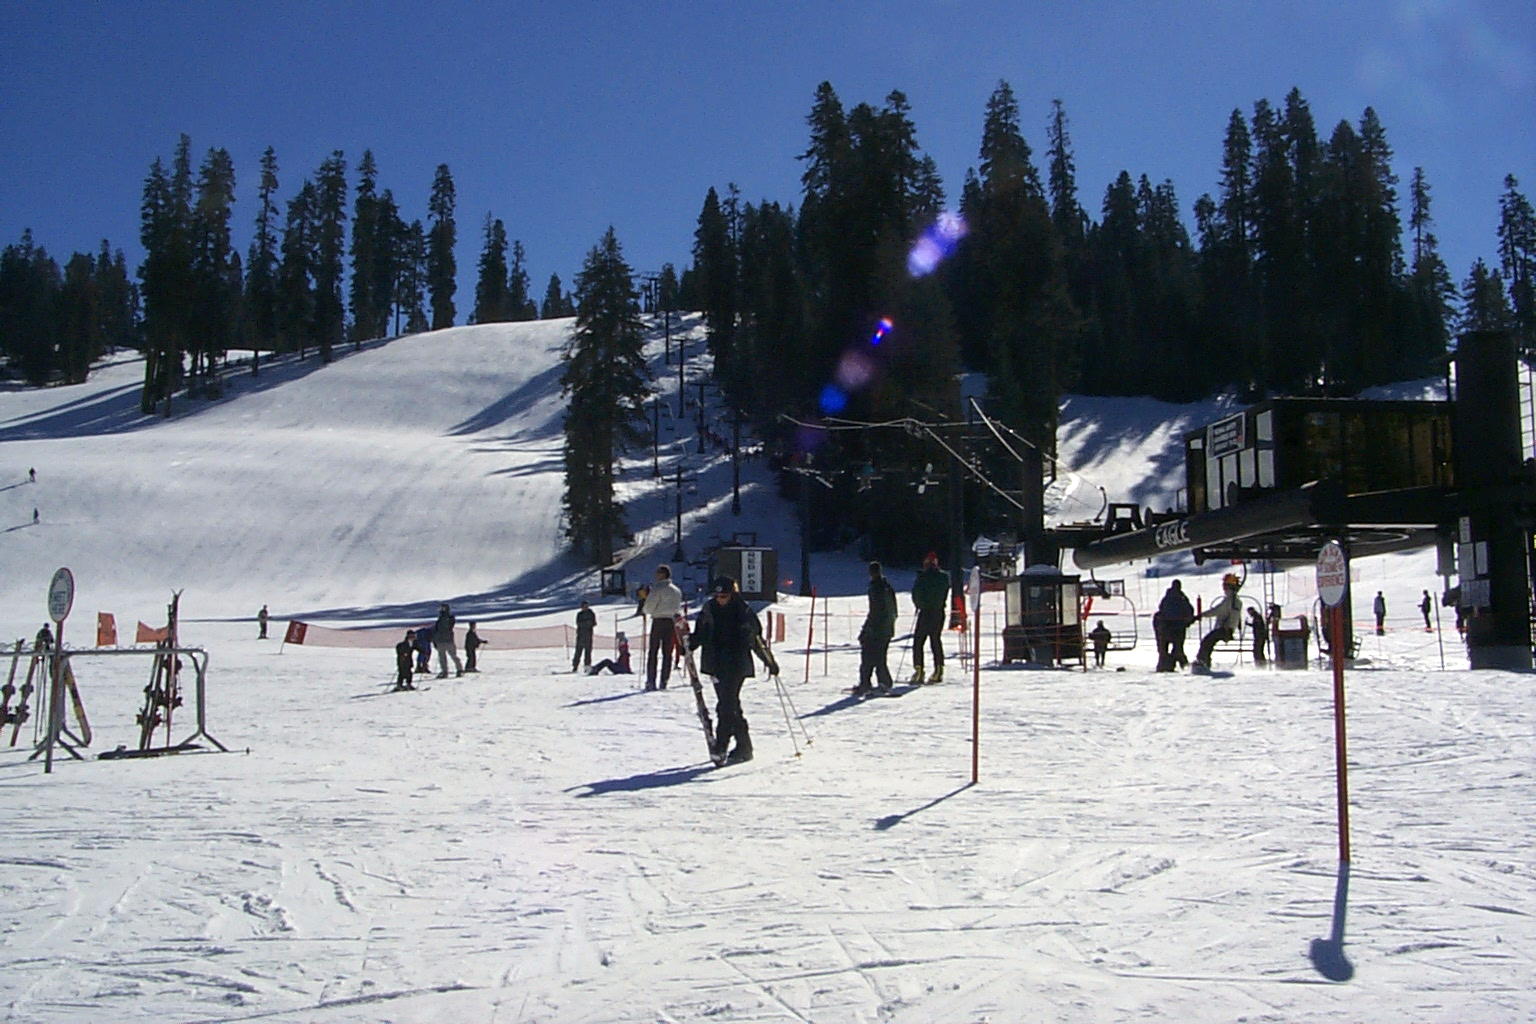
(1327, 955)
(647, 780)
(892, 820)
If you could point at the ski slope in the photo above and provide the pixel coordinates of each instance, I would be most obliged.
(530, 845)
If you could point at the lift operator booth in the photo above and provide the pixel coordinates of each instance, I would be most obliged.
(1042, 619)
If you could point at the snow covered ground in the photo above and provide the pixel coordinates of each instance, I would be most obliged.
(529, 845)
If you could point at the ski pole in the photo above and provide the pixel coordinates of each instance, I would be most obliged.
(791, 714)
(902, 664)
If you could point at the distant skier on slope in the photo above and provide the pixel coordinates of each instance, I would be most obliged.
(405, 651)
(930, 596)
(728, 631)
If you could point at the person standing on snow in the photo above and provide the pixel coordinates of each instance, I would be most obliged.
(586, 624)
(405, 651)
(424, 649)
(661, 606)
(1260, 632)
(729, 633)
(875, 635)
(443, 640)
(1227, 614)
(1174, 614)
(1424, 607)
(261, 623)
(1379, 606)
(472, 643)
(930, 595)
(1100, 636)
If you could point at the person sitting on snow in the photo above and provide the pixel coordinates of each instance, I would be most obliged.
(618, 666)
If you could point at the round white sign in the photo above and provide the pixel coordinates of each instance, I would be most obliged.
(61, 595)
(1332, 573)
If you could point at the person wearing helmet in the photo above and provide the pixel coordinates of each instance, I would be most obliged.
(618, 666)
(729, 634)
(930, 595)
(1228, 616)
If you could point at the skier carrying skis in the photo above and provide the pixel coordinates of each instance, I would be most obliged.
(1228, 616)
(875, 635)
(728, 631)
(586, 623)
(930, 595)
(442, 639)
(405, 651)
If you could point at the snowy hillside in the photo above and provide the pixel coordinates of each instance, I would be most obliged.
(527, 844)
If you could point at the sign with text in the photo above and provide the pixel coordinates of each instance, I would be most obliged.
(1332, 573)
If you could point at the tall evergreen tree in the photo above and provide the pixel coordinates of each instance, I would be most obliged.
(168, 284)
(1431, 290)
(714, 260)
(557, 304)
(442, 235)
(261, 266)
(29, 297)
(411, 280)
(216, 288)
(295, 313)
(330, 217)
(606, 384)
(491, 284)
(1517, 259)
(520, 304)
(1484, 304)
(369, 305)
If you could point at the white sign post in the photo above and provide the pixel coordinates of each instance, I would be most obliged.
(61, 598)
(1332, 585)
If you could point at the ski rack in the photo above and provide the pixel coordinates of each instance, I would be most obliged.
(199, 658)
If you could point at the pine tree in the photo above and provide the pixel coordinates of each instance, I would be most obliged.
(714, 259)
(330, 217)
(167, 280)
(491, 284)
(389, 263)
(556, 303)
(520, 304)
(1431, 289)
(216, 288)
(1484, 304)
(29, 296)
(1517, 259)
(411, 281)
(606, 384)
(261, 266)
(80, 337)
(295, 310)
(442, 235)
(369, 305)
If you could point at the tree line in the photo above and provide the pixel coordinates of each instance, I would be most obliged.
(1301, 278)
(336, 261)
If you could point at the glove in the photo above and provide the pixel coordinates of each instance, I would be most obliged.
(773, 666)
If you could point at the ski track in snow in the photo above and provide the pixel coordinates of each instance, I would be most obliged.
(530, 845)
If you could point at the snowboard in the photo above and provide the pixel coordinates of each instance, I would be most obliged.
(681, 627)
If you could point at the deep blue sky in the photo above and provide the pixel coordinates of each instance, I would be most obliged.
(562, 118)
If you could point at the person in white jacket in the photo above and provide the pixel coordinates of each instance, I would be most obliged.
(1228, 615)
(661, 607)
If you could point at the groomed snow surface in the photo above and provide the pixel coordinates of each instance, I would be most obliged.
(525, 844)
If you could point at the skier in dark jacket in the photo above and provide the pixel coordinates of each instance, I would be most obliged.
(1100, 637)
(728, 632)
(423, 649)
(620, 665)
(875, 635)
(472, 643)
(405, 652)
(586, 623)
(1174, 614)
(930, 595)
(1260, 630)
(443, 640)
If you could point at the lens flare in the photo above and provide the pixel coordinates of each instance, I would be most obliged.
(936, 244)
(833, 400)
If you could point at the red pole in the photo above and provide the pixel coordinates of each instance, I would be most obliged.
(1340, 757)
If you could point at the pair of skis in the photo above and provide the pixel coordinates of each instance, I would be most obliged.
(716, 755)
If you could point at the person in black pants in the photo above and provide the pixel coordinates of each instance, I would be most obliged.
(472, 643)
(405, 652)
(729, 633)
(586, 624)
